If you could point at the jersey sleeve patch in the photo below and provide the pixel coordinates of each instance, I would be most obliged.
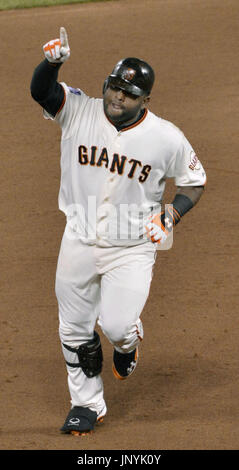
(75, 91)
(194, 162)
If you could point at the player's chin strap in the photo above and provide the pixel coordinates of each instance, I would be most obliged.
(89, 356)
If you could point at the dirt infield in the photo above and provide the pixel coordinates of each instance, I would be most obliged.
(184, 393)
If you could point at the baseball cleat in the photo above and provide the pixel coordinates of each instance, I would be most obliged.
(124, 364)
(80, 421)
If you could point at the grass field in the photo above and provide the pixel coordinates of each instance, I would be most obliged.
(11, 4)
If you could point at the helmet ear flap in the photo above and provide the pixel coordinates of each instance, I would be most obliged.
(105, 86)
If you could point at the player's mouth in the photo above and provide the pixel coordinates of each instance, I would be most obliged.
(116, 106)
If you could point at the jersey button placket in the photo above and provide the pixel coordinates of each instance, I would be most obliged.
(116, 147)
(110, 184)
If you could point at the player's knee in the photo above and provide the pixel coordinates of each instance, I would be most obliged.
(126, 335)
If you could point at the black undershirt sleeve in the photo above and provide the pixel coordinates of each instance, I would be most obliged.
(45, 89)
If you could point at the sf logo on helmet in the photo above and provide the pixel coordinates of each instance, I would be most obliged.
(128, 74)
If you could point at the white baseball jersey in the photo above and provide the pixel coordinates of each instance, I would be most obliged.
(111, 180)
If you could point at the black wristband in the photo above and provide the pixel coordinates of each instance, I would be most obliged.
(172, 216)
(181, 204)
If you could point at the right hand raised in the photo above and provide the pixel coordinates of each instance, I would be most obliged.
(57, 50)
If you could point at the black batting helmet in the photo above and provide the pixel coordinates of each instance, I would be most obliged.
(132, 75)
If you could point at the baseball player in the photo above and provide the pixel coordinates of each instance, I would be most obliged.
(115, 158)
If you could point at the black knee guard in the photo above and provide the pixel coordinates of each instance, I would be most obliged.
(90, 356)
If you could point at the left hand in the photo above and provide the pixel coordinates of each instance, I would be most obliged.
(57, 50)
(156, 231)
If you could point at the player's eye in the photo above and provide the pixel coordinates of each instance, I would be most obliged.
(126, 93)
(114, 88)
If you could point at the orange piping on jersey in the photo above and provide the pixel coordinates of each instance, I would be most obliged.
(141, 339)
(136, 123)
(63, 102)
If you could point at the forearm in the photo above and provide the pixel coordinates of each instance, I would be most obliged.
(192, 192)
(185, 199)
(44, 87)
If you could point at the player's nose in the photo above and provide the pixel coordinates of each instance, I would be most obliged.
(120, 94)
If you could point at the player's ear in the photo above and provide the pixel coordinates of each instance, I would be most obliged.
(146, 101)
(105, 85)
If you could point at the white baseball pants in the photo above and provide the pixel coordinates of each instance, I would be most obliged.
(108, 285)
